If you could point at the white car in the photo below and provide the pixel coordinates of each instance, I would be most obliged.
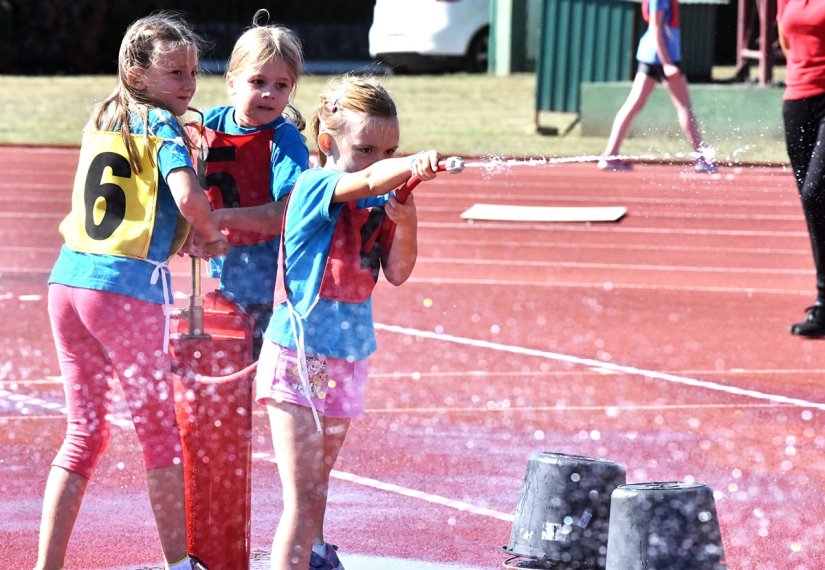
(431, 35)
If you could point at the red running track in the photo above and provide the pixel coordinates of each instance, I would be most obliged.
(659, 342)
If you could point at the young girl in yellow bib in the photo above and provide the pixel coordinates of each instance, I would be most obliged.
(135, 197)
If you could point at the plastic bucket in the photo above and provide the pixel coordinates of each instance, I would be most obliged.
(664, 526)
(562, 516)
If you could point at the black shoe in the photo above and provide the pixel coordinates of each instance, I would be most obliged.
(197, 564)
(813, 325)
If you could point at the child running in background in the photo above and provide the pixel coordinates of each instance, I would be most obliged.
(266, 152)
(109, 288)
(659, 56)
(341, 227)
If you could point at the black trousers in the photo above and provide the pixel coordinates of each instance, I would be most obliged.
(805, 140)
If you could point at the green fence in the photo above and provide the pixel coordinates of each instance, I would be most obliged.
(595, 40)
(581, 40)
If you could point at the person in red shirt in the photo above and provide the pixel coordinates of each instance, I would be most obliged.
(801, 26)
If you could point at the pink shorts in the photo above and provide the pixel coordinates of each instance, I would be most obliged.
(337, 385)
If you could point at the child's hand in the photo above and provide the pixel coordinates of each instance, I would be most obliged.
(188, 246)
(216, 248)
(670, 70)
(403, 214)
(196, 246)
(425, 164)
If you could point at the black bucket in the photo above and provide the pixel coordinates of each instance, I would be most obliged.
(563, 513)
(664, 526)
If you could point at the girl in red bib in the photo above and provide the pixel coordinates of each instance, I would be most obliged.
(255, 153)
(342, 228)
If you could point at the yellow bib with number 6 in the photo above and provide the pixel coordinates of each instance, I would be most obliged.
(113, 207)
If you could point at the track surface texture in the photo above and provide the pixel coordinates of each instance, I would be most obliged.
(659, 342)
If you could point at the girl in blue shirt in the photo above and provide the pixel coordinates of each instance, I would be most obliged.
(342, 228)
(135, 197)
(261, 78)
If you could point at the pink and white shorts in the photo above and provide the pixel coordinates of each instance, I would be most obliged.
(337, 386)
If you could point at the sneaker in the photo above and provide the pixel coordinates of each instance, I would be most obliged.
(702, 164)
(614, 165)
(813, 325)
(328, 562)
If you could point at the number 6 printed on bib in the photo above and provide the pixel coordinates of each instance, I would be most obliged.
(113, 208)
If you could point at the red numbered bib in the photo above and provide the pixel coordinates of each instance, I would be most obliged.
(235, 170)
(354, 259)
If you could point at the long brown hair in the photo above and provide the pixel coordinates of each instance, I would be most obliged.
(146, 41)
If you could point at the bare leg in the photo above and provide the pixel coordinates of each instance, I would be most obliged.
(166, 493)
(61, 503)
(335, 431)
(678, 88)
(299, 448)
(640, 91)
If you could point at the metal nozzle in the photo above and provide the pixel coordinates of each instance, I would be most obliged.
(454, 164)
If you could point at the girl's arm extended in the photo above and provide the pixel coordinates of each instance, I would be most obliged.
(386, 175)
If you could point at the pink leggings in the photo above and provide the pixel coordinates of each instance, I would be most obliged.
(99, 334)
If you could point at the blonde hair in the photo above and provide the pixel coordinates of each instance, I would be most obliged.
(261, 43)
(362, 94)
(145, 42)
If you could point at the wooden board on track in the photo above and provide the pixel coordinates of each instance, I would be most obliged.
(510, 213)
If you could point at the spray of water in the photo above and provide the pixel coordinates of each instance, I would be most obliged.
(493, 165)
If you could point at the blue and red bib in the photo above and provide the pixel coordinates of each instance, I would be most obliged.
(235, 172)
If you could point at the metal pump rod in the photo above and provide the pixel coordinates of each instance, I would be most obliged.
(196, 301)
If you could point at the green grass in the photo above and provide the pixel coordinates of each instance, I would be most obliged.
(470, 115)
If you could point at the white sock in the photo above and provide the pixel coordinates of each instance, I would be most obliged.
(319, 549)
(185, 564)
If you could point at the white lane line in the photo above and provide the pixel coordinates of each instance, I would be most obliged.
(453, 261)
(610, 408)
(22, 401)
(514, 244)
(406, 491)
(630, 370)
(608, 286)
(612, 229)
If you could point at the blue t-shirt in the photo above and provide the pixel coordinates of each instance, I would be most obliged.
(125, 275)
(332, 328)
(247, 272)
(647, 52)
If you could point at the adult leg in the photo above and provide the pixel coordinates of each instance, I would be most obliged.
(299, 449)
(677, 86)
(805, 141)
(640, 91)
